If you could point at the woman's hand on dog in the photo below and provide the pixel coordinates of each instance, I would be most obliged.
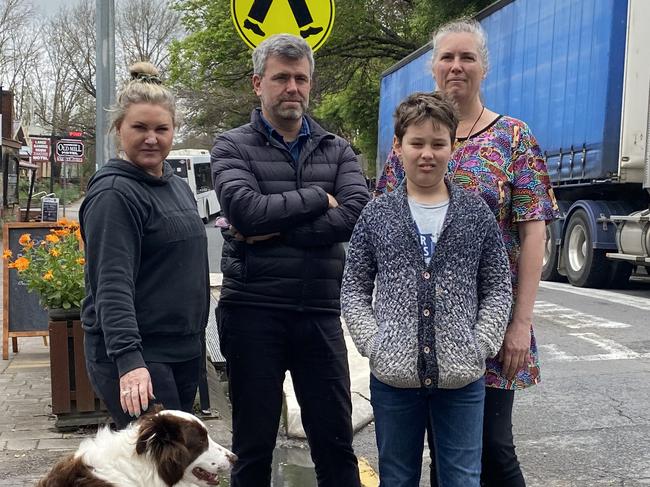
(135, 391)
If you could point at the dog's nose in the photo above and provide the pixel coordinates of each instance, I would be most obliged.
(232, 458)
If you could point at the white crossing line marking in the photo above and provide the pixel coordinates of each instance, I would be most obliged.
(613, 348)
(574, 319)
(601, 294)
(615, 351)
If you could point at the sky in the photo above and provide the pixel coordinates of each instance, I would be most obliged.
(50, 7)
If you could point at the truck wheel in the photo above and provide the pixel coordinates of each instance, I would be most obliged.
(585, 266)
(551, 255)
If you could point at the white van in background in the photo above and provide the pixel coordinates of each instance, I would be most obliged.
(193, 165)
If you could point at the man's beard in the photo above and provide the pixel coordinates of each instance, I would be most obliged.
(291, 113)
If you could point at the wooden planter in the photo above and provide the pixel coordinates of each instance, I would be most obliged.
(73, 399)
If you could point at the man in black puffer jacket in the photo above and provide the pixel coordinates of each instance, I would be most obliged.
(292, 193)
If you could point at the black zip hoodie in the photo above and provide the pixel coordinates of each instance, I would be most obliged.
(147, 282)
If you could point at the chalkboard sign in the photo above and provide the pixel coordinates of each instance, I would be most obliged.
(49, 209)
(23, 314)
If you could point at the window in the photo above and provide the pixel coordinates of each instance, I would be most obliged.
(203, 178)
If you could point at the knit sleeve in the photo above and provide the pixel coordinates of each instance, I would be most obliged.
(494, 290)
(358, 285)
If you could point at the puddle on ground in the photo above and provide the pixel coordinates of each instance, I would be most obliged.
(292, 467)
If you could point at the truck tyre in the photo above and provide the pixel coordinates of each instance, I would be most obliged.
(551, 255)
(585, 266)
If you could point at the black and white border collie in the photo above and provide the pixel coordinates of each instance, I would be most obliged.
(161, 449)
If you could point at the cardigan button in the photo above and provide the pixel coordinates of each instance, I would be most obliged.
(426, 275)
(426, 350)
(427, 382)
(426, 312)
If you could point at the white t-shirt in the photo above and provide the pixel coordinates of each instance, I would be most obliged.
(428, 220)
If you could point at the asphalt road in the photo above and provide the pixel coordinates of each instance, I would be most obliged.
(587, 424)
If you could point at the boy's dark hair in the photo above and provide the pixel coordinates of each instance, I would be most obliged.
(419, 107)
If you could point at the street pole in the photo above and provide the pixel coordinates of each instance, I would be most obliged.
(104, 78)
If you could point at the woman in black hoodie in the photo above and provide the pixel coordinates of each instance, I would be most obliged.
(147, 286)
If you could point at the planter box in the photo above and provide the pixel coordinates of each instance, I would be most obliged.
(73, 400)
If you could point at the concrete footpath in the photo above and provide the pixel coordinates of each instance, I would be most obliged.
(30, 443)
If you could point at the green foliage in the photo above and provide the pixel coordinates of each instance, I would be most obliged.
(211, 67)
(53, 267)
(72, 191)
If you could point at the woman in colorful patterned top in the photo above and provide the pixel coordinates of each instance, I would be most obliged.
(498, 157)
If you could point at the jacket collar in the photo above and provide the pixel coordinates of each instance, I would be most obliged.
(316, 131)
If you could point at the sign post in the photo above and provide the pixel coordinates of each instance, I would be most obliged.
(68, 150)
(255, 20)
(49, 209)
(41, 148)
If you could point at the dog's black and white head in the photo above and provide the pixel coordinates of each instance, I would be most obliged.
(161, 449)
(183, 452)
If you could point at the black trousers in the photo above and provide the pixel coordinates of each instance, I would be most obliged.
(299, 8)
(260, 345)
(174, 385)
(499, 464)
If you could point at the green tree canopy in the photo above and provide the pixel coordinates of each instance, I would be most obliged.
(211, 66)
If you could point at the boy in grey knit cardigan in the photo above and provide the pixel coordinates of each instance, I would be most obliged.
(441, 308)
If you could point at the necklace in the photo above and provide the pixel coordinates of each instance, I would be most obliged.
(469, 134)
(461, 157)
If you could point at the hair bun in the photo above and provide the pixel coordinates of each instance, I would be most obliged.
(145, 72)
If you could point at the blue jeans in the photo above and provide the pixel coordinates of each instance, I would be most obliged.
(400, 423)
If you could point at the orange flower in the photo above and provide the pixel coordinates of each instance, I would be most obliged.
(6, 254)
(11, 265)
(77, 233)
(55, 253)
(61, 233)
(25, 238)
(63, 222)
(81, 261)
(52, 238)
(21, 263)
(48, 275)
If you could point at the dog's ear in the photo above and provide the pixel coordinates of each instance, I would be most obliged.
(161, 437)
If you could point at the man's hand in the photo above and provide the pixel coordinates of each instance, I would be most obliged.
(251, 240)
(331, 201)
(515, 349)
(237, 234)
(136, 390)
(260, 238)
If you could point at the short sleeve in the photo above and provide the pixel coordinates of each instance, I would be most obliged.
(532, 195)
(392, 174)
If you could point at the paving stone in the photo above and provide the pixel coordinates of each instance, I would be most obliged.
(21, 444)
(34, 434)
(59, 444)
(22, 400)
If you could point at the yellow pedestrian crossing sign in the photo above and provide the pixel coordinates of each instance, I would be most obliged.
(256, 20)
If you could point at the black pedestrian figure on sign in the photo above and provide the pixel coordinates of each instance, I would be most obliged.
(300, 10)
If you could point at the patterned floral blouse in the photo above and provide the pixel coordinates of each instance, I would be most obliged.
(504, 164)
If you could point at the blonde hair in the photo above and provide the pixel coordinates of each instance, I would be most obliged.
(144, 86)
(465, 26)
